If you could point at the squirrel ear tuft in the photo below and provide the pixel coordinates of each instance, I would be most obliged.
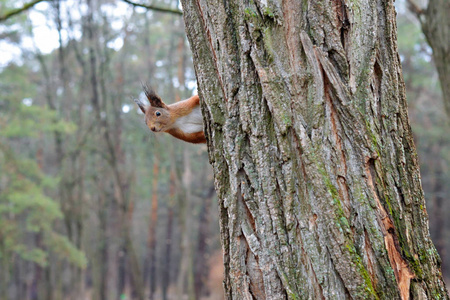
(153, 98)
(141, 106)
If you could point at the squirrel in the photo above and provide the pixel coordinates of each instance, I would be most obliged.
(182, 119)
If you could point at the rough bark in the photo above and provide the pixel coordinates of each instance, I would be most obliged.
(308, 135)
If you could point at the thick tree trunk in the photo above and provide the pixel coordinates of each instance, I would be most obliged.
(314, 161)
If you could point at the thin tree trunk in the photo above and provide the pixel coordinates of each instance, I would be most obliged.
(437, 31)
(151, 241)
(308, 135)
(201, 262)
(4, 271)
(122, 271)
(438, 201)
(436, 27)
(103, 253)
(185, 281)
(166, 271)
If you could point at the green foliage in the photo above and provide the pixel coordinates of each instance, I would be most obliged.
(25, 209)
(23, 123)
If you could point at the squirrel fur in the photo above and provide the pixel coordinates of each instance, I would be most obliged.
(182, 119)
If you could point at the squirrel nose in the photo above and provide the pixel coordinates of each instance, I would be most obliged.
(153, 128)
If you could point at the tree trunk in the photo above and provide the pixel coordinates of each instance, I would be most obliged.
(308, 135)
(185, 280)
(436, 28)
(201, 259)
(438, 210)
(150, 262)
(165, 281)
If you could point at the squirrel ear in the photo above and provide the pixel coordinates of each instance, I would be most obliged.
(141, 106)
(153, 98)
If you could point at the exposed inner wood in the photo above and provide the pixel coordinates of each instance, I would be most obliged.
(403, 274)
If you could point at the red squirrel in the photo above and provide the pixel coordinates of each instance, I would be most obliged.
(182, 119)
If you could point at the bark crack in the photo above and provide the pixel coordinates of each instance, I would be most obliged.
(256, 286)
(313, 272)
(338, 274)
(342, 168)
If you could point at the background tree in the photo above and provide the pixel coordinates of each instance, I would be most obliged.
(429, 124)
(315, 166)
(435, 25)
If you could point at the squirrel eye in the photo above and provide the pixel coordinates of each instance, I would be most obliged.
(157, 113)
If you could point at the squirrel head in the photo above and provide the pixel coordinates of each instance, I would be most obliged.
(157, 115)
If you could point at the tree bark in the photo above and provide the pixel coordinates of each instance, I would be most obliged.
(308, 135)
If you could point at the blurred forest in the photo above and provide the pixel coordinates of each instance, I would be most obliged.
(95, 206)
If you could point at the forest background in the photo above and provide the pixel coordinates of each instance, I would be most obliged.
(95, 206)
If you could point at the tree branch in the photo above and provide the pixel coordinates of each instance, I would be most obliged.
(155, 8)
(415, 9)
(19, 10)
(29, 5)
